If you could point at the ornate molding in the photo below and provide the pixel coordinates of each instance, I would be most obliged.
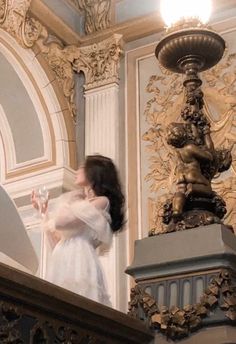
(61, 60)
(177, 323)
(97, 14)
(100, 62)
(37, 329)
(15, 20)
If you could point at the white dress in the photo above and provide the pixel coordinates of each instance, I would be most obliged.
(73, 263)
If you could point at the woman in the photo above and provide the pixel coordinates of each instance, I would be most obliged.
(78, 225)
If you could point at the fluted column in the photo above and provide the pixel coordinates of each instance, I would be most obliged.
(100, 64)
(101, 121)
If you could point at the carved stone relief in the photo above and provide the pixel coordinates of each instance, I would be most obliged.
(97, 14)
(61, 61)
(164, 107)
(100, 62)
(15, 20)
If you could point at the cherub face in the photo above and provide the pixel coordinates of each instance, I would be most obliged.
(176, 135)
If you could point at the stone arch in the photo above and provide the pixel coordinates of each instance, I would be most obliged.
(34, 130)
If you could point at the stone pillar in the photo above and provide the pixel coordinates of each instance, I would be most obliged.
(100, 64)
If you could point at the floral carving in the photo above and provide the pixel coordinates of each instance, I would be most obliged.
(164, 107)
(3, 10)
(177, 323)
(15, 20)
(100, 62)
(97, 14)
(61, 61)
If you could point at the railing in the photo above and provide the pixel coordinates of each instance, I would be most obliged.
(33, 311)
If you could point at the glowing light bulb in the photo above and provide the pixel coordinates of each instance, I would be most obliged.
(173, 11)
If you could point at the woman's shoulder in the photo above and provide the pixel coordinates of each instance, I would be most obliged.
(100, 202)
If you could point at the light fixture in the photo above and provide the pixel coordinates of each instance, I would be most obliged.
(189, 47)
(174, 11)
(187, 40)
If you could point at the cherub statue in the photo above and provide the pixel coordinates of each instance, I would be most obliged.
(190, 179)
(194, 202)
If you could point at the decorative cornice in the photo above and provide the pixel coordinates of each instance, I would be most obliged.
(100, 62)
(131, 30)
(177, 323)
(97, 14)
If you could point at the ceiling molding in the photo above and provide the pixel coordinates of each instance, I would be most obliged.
(53, 23)
(130, 30)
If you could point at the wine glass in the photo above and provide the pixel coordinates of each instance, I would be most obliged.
(41, 197)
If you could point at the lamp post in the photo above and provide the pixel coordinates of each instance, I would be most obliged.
(189, 47)
(172, 271)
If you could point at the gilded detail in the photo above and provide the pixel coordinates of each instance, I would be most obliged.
(166, 90)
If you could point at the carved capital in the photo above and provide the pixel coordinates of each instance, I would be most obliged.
(97, 14)
(100, 62)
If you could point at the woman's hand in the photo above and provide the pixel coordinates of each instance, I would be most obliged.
(34, 200)
(42, 208)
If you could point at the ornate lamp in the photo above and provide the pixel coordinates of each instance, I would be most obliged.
(168, 268)
(189, 47)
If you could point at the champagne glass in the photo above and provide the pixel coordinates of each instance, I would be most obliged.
(41, 196)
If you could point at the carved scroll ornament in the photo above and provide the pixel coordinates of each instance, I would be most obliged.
(15, 20)
(100, 62)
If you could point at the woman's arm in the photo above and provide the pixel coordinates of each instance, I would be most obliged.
(67, 218)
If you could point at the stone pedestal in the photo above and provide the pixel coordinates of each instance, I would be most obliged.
(186, 283)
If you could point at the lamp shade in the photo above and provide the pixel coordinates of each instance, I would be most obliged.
(173, 11)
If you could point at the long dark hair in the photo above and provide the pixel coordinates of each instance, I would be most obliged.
(103, 177)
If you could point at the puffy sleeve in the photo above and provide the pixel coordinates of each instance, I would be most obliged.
(73, 215)
(95, 217)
